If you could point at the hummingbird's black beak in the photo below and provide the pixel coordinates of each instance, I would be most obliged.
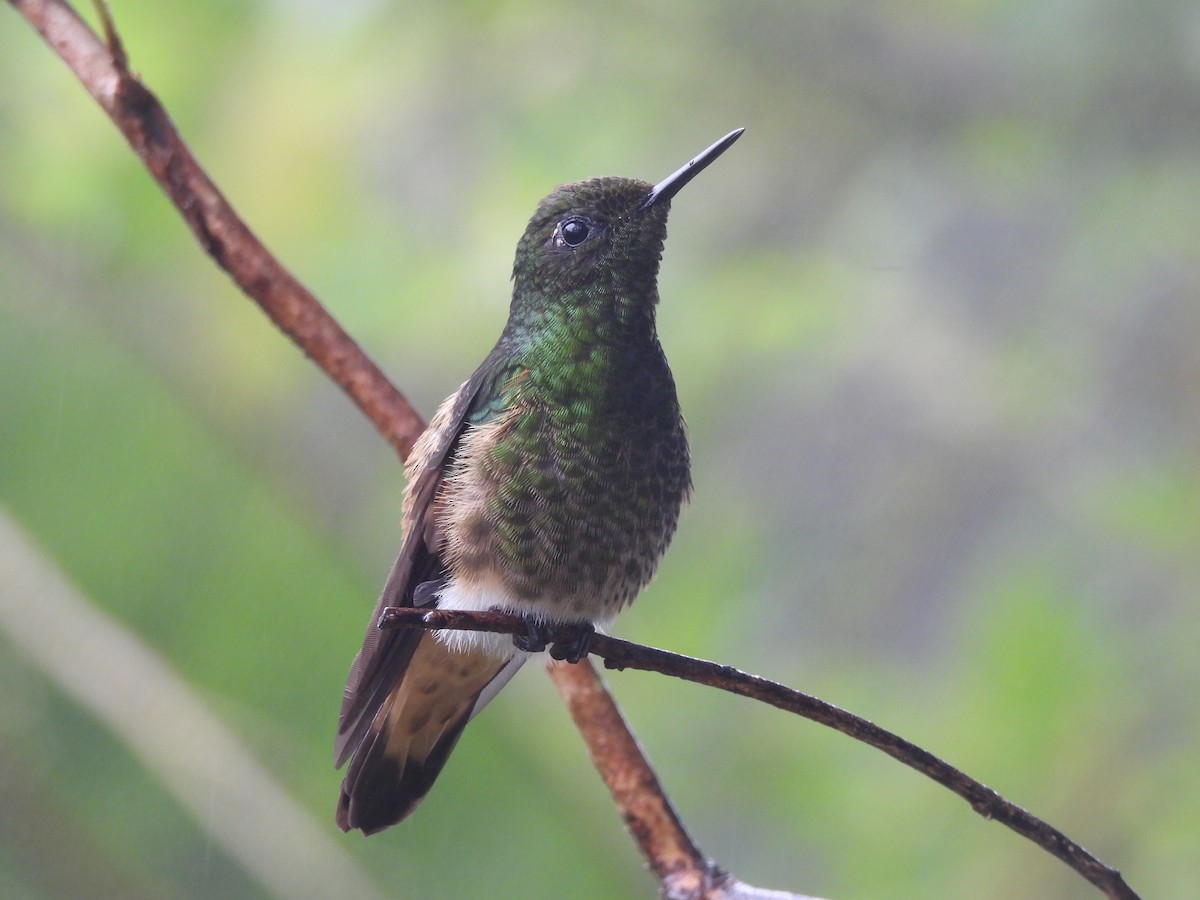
(671, 185)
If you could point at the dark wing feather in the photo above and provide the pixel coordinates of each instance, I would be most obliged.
(385, 653)
(380, 791)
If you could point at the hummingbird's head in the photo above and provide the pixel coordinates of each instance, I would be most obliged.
(591, 235)
(601, 238)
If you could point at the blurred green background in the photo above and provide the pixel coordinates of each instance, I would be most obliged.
(935, 325)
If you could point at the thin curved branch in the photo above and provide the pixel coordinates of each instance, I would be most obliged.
(620, 654)
(683, 871)
(103, 70)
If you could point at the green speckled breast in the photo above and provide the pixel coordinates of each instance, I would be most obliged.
(570, 495)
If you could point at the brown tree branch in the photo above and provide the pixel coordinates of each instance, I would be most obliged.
(620, 654)
(683, 871)
(137, 113)
(102, 68)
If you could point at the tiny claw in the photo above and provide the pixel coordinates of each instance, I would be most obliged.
(535, 636)
(573, 641)
(567, 641)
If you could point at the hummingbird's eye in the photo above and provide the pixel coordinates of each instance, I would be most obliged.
(573, 232)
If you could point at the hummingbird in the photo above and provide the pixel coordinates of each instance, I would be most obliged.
(548, 485)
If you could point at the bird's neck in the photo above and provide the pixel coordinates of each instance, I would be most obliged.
(588, 343)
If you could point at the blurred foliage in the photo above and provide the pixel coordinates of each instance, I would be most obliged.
(935, 324)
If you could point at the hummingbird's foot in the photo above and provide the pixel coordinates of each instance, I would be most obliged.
(534, 637)
(574, 645)
(567, 641)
